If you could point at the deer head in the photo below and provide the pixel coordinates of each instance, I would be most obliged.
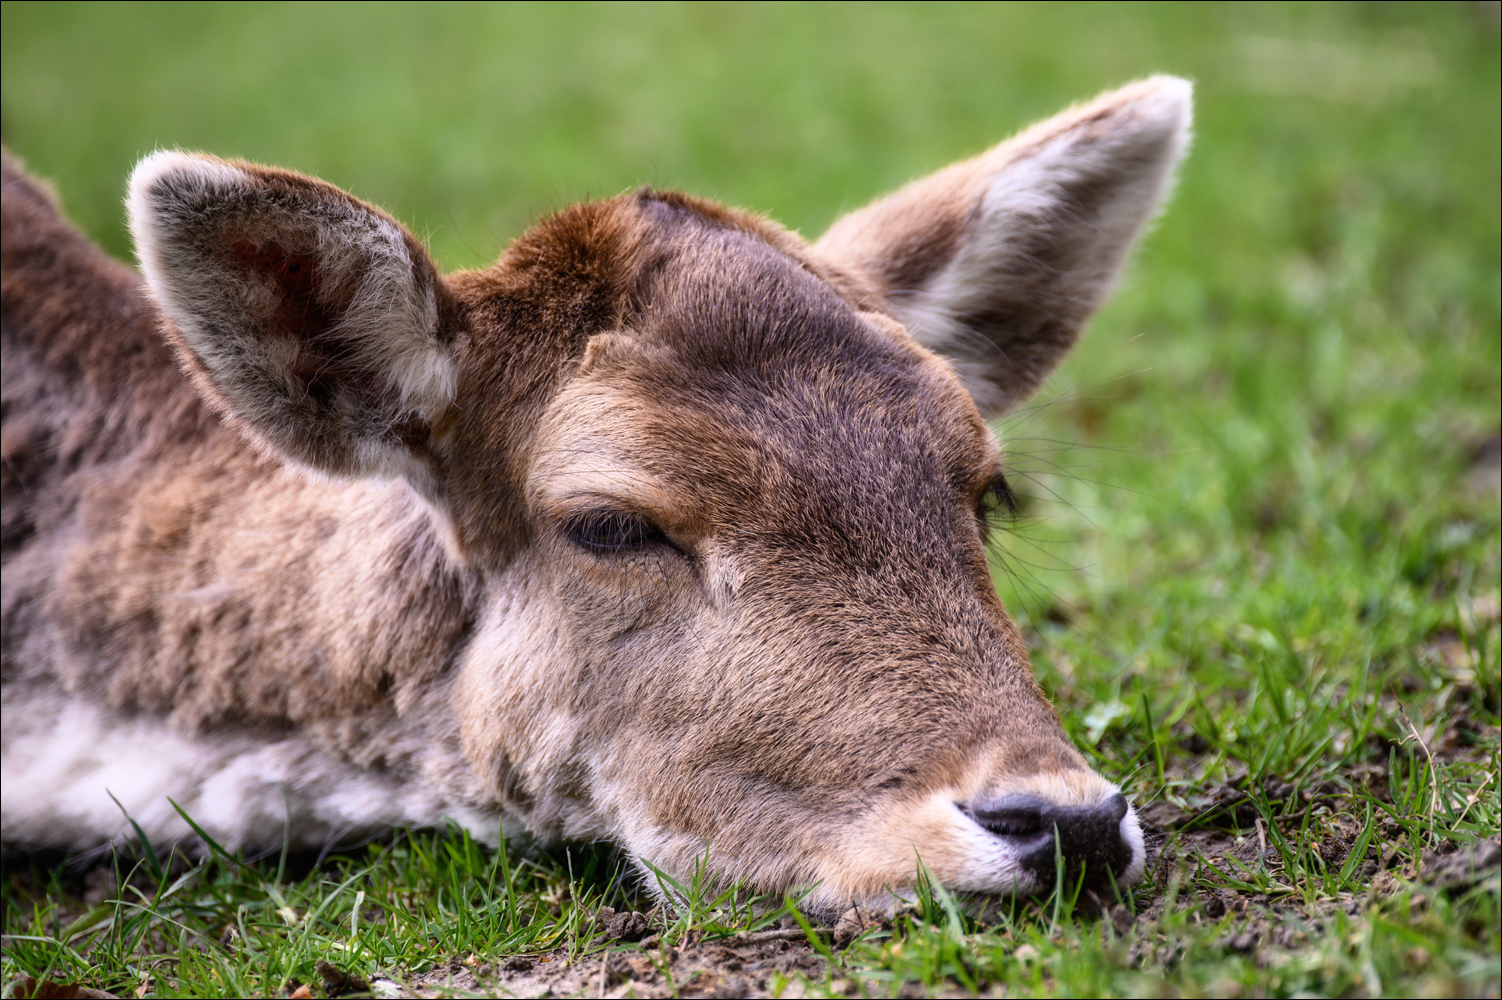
(724, 493)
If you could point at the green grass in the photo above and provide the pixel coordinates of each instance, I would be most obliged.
(224, 928)
(1258, 565)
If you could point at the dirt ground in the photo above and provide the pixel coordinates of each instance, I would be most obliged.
(742, 966)
(755, 964)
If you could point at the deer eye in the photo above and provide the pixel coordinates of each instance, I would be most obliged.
(612, 531)
(997, 503)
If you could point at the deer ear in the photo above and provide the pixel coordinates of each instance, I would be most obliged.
(307, 316)
(998, 262)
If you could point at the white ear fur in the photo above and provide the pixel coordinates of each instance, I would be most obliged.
(997, 262)
(346, 304)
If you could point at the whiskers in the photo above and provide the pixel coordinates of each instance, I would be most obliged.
(1035, 540)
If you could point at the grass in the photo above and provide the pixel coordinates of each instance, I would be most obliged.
(224, 928)
(1258, 562)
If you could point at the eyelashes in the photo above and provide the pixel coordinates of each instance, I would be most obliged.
(997, 503)
(606, 531)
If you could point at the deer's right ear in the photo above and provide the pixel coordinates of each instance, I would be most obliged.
(310, 318)
(997, 262)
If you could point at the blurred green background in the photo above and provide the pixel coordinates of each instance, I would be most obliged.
(1275, 423)
(469, 119)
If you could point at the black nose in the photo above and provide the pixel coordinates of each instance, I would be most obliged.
(1089, 837)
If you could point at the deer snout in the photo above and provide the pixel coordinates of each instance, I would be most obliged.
(1093, 839)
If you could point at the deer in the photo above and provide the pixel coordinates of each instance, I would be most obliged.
(667, 529)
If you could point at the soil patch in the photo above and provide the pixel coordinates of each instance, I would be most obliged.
(743, 965)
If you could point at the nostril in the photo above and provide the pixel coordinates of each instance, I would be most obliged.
(1014, 816)
(1088, 837)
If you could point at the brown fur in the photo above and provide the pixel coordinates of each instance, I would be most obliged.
(804, 649)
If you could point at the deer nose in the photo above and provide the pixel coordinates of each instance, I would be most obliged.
(1089, 838)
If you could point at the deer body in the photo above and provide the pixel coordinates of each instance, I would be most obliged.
(668, 528)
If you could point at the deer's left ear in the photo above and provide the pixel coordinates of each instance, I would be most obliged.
(998, 262)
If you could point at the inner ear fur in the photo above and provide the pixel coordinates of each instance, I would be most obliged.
(311, 319)
(997, 262)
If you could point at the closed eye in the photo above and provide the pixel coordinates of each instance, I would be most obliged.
(997, 504)
(613, 531)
